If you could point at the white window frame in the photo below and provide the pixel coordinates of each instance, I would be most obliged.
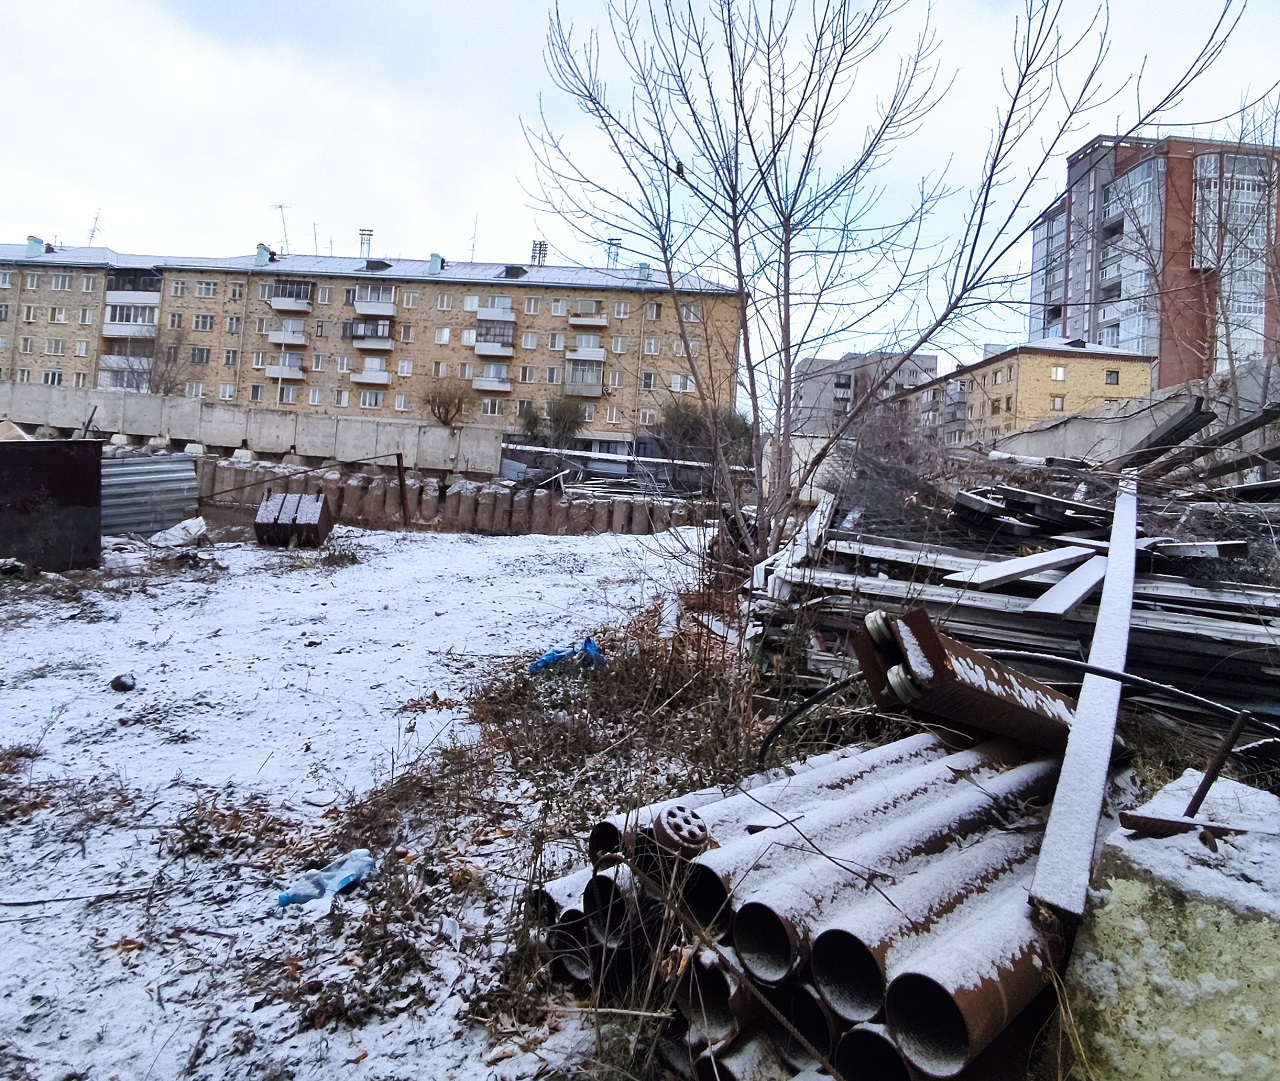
(226, 391)
(82, 347)
(86, 317)
(619, 344)
(614, 414)
(60, 283)
(324, 294)
(444, 302)
(469, 336)
(287, 394)
(313, 396)
(259, 360)
(206, 288)
(342, 398)
(401, 403)
(344, 364)
(558, 306)
(440, 369)
(528, 373)
(1058, 373)
(202, 321)
(230, 358)
(255, 392)
(651, 347)
(648, 417)
(442, 336)
(195, 390)
(555, 341)
(372, 399)
(175, 320)
(177, 287)
(653, 310)
(406, 333)
(471, 302)
(404, 366)
(531, 305)
(57, 314)
(235, 290)
(529, 339)
(409, 299)
(615, 380)
(553, 375)
(622, 309)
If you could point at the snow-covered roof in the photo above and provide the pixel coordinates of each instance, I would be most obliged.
(642, 278)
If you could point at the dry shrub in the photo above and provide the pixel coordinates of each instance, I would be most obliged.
(213, 829)
(20, 798)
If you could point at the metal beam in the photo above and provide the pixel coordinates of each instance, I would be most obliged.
(1072, 591)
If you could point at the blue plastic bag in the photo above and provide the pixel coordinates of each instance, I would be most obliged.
(589, 652)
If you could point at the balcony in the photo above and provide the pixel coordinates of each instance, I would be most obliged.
(486, 384)
(374, 341)
(128, 330)
(282, 372)
(371, 378)
(581, 388)
(597, 319)
(130, 296)
(496, 315)
(584, 354)
(109, 362)
(291, 304)
(494, 349)
(287, 337)
(380, 308)
(291, 296)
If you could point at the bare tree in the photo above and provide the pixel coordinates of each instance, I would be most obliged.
(720, 165)
(449, 399)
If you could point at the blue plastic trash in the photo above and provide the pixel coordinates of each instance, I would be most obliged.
(341, 872)
(589, 652)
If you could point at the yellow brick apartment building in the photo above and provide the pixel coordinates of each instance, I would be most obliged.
(371, 337)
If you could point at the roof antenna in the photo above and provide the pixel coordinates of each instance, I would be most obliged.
(614, 247)
(539, 254)
(284, 228)
(315, 235)
(94, 231)
(366, 243)
(474, 229)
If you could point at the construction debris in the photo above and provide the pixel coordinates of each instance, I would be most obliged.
(293, 521)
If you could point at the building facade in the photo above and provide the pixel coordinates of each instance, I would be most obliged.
(1165, 248)
(1013, 389)
(481, 344)
(825, 390)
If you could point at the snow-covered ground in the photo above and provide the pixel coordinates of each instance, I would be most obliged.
(280, 677)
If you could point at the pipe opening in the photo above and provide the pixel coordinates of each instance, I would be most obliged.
(604, 837)
(801, 1007)
(702, 997)
(928, 1025)
(569, 942)
(847, 975)
(867, 1053)
(765, 942)
(706, 897)
(606, 907)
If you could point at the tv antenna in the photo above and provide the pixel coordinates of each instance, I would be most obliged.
(475, 228)
(614, 247)
(284, 228)
(94, 230)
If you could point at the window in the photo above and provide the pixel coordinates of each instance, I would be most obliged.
(998, 376)
(263, 325)
(556, 342)
(57, 315)
(553, 375)
(402, 402)
(52, 377)
(648, 417)
(440, 369)
(56, 346)
(234, 323)
(615, 380)
(206, 289)
(1008, 403)
(88, 283)
(236, 290)
(175, 320)
(1113, 378)
(651, 347)
(313, 396)
(322, 329)
(1009, 372)
(491, 407)
(372, 399)
(622, 309)
(526, 373)
(24, 375)
(588, 341)
(691, 313)
(466, 370)
(86, 316)
(1058, 373)
(995, 407)
(4, 313)
(677, 346)
(558, 307)
(60, 283)
(444, 302)
(529, 340)
(405, 367)
(469, 337)
(442, 336)
(82, 347)
(619, 344)
(1057, 403)
(28, 313)
(200, 354)
(615, 414)
(682, 384)
(82, 380)
(409, 300)
(653, 310)
(259, 360)
(531, 305)
(255, 392)
(177, 288)
(344, 364)
(324, 294)
(471, 302)
(648, 380)
(230, 357)
(6, 279)
(195, 390)
(226, 391)
(33, 281)
(26, 345)
(524, 406)
(287, 395)
(588, 412)
(317, 362)
(406, 333)
(203, 321)
(984, 380)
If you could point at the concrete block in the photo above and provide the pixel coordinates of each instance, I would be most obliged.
(297, 482)
(332, 484)
(206, 476)
(661, 517)
(640, 521)
(467, 500)
(392, 510)
(224, 480)
(521, 506)
(619, 515)
(428, 502)
(484, 510)
(581, 515)
(373, 506)
(560, 516)
(540, 515)
(413, 496)
(352, 497)
(502, 509)
(601, 514)
(679, 515)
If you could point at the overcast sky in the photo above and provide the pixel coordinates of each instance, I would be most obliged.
(178, 125)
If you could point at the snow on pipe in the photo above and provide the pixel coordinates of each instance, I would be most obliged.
(957, 992)
(851, 947)
(712, 997)
(776, 849)
(800, 1004)
(750, 1057)
(569, 942)
(868, 1051)
(549, 901)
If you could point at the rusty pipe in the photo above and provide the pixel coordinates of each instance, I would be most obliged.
(569, 943)
(713, 998)
(805, 1011)
(868, 1051)
(749, 1057)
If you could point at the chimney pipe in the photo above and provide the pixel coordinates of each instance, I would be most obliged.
(35, 246)
(263, 257)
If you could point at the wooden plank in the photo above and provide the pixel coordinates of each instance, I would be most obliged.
(1219, 439)
(1068, 594)
(1011, 570)
(1203, 549)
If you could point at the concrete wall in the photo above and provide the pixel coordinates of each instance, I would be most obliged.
(425, 445)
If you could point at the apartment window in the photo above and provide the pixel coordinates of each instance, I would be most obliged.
(206, 289)
(6, 279)
(33, 281)
(491, 407)
(195, 390)
(200, 354)
(406, 333)
(203, 321)
(405, 367)
(372, 399)
(442, 336)
(648, 417)
(57, 315)
(615, 380)
(651, 347)
(317, 362)
(55, 346)
(88, 283)
(409, 300)
(471, 302)
(236, 290)
(4, 313)
(444, 302)
(344, 364)
(82, 347)
(60, 283)
(531, 305)
(26, 345)
(1057, 403)
(588, 412)
(402, 402)
(287, 395)
(553, 375)
(1113, 378)
(28, 313)
(677, 346)
(263, 325)
(230, 357)
(342, 398)
(1008, 403)
(255, 392)
(82, 380)
(1009, 372)
(313, 396)
(524, 406)
(469, 337)
(615, 414)
(324, 294)
(175, 320)
(1058, 373)
(259, 360)
(653, 310)
(24, 375)
(177, 288)
(648, 380)
(466, 370)
(691, 313)
(682, 384)
(995, 407)
(440, 369)
(558, 307)
(556, 342)
(52, 377)
(226, 391)
(998, 376)
(619, 344)
(322, 329)
(622, 309)
(234, 323)
(526, 373)
(529, 340)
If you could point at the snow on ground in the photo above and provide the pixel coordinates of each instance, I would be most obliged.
(279, 677)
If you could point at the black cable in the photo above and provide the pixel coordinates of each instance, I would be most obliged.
(802, 708)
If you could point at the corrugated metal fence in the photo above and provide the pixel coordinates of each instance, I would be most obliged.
(145, 495)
